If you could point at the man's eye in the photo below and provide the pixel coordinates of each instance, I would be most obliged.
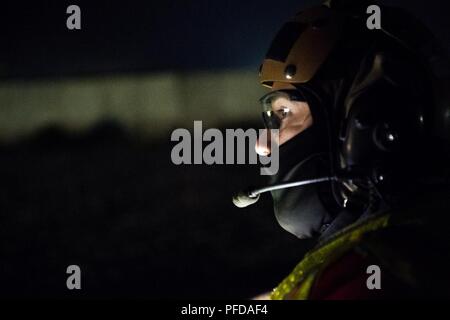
(282, 112)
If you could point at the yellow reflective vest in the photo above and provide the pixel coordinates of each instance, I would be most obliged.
(300, 281)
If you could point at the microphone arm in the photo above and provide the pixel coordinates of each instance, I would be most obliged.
(285, 185)
(246, 198)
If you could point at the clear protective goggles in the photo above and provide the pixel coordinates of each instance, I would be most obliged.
(275, 106)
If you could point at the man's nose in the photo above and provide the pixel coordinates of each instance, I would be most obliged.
(263, 143)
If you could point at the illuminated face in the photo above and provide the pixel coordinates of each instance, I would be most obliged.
(286, 111)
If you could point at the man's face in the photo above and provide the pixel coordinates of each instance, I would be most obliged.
(292, 116)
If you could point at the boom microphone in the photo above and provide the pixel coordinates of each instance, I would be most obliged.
(245, 198)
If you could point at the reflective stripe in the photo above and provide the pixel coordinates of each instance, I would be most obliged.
(298, 284)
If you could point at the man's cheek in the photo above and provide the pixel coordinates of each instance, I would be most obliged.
(287, 134)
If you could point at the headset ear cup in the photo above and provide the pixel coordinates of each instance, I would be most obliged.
(385, 137)
(358, 149)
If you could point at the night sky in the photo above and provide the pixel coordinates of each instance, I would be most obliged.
(143, 36)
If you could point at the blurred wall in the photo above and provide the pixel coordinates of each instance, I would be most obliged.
(146, 104)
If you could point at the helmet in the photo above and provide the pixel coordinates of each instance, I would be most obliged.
(388, 129)
(301, 47)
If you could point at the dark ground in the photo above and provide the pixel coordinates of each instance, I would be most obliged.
(137, 225)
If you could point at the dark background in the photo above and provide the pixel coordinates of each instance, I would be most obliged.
(113, 203)
(139, 36)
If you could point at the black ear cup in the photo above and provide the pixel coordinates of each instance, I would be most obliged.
(385, 137)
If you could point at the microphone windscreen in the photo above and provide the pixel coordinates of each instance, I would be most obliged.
(242, 199)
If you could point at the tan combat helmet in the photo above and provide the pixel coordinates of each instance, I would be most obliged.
(301, 46)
